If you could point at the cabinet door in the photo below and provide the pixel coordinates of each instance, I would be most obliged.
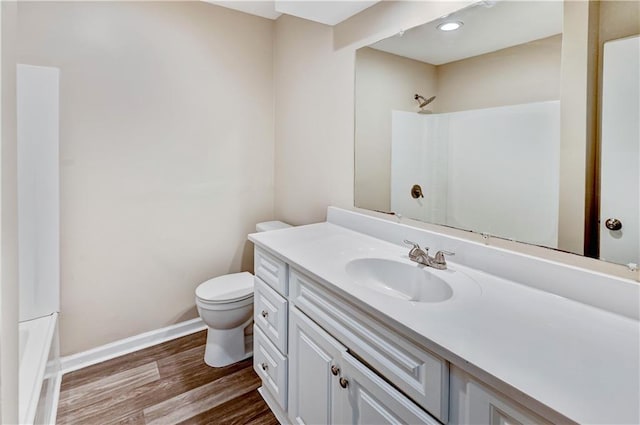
(314, 372)
(473, 403)
(484, 407)
(371, 400)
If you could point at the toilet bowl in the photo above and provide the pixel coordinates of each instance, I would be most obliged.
(225, 304)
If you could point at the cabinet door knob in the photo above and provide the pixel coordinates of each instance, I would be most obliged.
(335, 370)
(264, 313)
(264, 366)
(344, 383)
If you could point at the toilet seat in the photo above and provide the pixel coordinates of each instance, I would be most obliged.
(226, 289)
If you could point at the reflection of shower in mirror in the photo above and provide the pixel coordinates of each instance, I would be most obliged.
(423, 102)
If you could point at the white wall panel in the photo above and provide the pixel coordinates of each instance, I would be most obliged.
(38, 191)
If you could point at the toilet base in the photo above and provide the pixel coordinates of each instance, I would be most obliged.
(225, 347)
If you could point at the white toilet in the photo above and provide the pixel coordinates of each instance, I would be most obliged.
(225, 304)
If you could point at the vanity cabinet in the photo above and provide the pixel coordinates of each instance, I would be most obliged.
(325, 360)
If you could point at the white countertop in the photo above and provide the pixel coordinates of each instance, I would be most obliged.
(578, 360)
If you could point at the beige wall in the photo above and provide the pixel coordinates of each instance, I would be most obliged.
(384, 82)
(618, 19)
(577, 117)
(166, 153)
(525, 73)
(313, 122)
(8, 223)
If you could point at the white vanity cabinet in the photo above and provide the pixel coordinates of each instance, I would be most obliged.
(325, 360)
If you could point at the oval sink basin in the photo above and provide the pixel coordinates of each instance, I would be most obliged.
(399, 280)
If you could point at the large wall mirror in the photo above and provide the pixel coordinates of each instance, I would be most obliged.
(513, 118)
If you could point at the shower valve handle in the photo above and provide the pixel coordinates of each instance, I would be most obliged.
(416, 192)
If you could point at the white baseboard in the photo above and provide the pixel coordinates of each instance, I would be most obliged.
(129, 345)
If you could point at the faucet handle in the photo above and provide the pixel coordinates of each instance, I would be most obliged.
(408, 242)
(415, 246)
(439, 258)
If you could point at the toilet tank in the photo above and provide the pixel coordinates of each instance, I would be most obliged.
(271, 225)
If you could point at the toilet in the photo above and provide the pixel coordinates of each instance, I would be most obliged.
(225, 304)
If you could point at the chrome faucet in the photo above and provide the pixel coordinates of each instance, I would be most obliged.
(421, 256)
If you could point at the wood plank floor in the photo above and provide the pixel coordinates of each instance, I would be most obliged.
(163, 385)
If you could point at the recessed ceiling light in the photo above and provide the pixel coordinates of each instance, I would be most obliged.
(449, 26)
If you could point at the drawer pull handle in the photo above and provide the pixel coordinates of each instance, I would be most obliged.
(335, 370)
(264, 313)
(264, 366)
(344, 383)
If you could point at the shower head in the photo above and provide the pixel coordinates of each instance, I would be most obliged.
(422, 101)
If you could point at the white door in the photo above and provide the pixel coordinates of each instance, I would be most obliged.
(314, 373)
(371, 400)
(620, 158)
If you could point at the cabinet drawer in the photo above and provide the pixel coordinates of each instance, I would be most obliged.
(270, 314)
(271, 270)
(271, 367)
(422, 375)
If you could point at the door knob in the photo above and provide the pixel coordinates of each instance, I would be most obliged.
(613, 224)
(416, 192)
(264, 313)
(344, 383)
(335, 370)
(264, 366)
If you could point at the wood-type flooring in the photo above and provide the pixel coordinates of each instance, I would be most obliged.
(165, 384)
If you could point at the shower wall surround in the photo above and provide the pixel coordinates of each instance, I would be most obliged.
(451, 154)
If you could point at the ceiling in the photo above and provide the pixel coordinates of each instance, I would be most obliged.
(325, 12)
(487, 27)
